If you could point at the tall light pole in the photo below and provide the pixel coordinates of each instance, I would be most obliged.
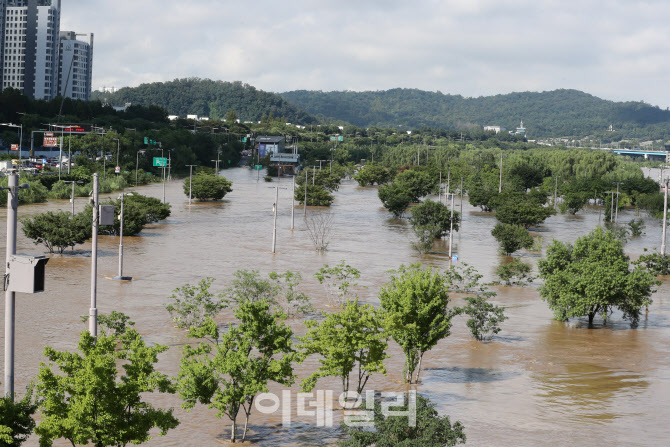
(137, 164)
(118, 149)
(93, 311)
(20, 127)
(216, 169)
(616, 210)
(274, 224)
(190, 182)
(293, 204)
(665, 216)
(451, 226)
(12, 206)
(306, 172)
(72, 196)
(501, 166)
(120, 277)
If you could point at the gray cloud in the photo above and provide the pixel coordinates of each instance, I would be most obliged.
(616, 50)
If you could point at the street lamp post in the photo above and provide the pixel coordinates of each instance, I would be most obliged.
(12, 206)
(118, 149)
(93, 311)
(190, 182)
(665, 216)
(72, 196)
(120, 277)
(20, 127)
(218, 154)
(137, 164)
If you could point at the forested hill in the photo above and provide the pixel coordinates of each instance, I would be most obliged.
(204, 97)
(555, 113)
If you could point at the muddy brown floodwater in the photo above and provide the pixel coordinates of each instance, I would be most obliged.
(540, 382)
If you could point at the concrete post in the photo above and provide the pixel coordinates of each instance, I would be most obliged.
(93, 311)
(12, 205)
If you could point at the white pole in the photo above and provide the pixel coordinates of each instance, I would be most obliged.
(293, 205)
(72, 199)
(93, 311)
(451, 226)
(305, 207)
(500, 184)
(274, 225)
(163, 163)
(60, 154)
(12, 205)
(439, 189)
(665, 217)
(121, 237)
(69, 151)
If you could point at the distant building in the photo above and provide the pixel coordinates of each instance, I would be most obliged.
(75, 66)
(172, 117)
(192, 117)
(270, 145)
(36, 58)
(520, 130)
(496, 129)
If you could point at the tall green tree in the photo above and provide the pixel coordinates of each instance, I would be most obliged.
(594, 276)
(206, 187)
(435, 213)
(57, 230)
(416, 315)
(228, 373)
(84, 399)
(347, 341)
(16, 419)
(511, 237)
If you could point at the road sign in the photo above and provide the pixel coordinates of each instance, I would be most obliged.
(48, 134)
(333, 138)
(244, 139)
(117, 170)
(160, 161)
(15, 147)
(340, 138)
(258, 167)
(50, 142)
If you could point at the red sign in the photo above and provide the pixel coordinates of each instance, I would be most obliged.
(15, 147)
(50, 142)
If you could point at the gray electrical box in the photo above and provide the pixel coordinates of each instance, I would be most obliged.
(26, 273)
(107, 214)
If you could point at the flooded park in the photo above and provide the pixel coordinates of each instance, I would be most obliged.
(538, 382)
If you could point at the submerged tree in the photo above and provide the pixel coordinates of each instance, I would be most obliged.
(415, 313)
(594, 276)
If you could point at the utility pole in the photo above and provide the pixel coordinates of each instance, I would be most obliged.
(274, 224)
(439, 189)
(556, 189)
(93, 311)
(306, 172)
(12, 205)
(120, 276)
(461, 200)
(216, 172)
(500, 184)
(665, 216)
(446, 195)
(314, 176)
(320, 164)
(451, 227)
(616, 211)
(190, 182)
(293, 205)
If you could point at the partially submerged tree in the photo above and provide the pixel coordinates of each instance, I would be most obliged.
(207, 186)
(515, 272)
(485, 317)
(438, 214)
(16, 419)
(338, 280)
(230, 372)
(57, 230)
(413, 424)
(191, 306)
(395, 198)
(83, 399)
(511, 237)
(347, 341)
(594, 276)
(415, 313)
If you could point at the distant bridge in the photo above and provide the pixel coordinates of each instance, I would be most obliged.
(646, 153)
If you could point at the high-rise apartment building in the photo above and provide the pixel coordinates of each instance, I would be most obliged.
(31, 51)
(75, 66)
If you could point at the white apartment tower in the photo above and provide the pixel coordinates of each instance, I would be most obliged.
(36, 58)
(75, 66)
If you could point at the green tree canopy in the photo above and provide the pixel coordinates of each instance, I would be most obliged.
(594, 276)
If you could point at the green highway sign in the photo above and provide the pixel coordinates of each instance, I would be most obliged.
(340, 138)
(160, 161)
(333, 138)
(258, 167)
(244, 140)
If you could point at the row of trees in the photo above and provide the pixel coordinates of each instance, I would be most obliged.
(60, 230)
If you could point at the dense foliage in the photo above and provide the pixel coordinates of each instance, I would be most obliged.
(58, 230)
(553, 113)
(205, 97)
(594, 277)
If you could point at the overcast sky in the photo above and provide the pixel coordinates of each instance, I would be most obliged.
(614, 49)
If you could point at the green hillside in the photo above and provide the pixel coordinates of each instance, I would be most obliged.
(204, 97)
(554, 113)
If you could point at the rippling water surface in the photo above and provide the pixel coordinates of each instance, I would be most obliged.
(540, 382)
